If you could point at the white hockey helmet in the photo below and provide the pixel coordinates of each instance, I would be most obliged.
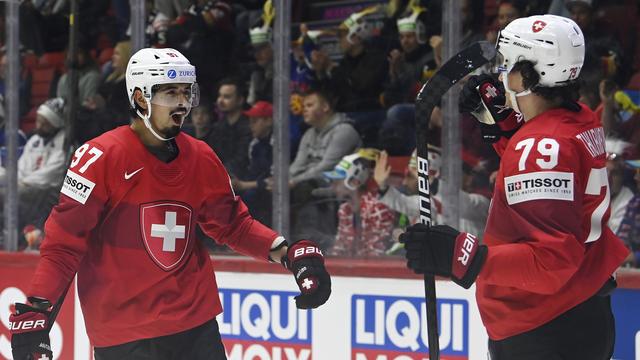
(149, 67)
(554, 44)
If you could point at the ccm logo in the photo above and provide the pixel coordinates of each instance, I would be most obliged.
(467, 249)
(308, 250)
(27, 325)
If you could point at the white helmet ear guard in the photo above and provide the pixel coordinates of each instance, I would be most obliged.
(148, 68)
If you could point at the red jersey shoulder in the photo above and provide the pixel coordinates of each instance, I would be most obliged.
(90, 164)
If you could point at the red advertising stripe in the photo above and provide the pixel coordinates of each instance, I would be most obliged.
(366, 354)
(258, 350)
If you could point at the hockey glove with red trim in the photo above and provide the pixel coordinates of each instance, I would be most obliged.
(304, 259)
(444, 251)
(30, 331)
(484, 97)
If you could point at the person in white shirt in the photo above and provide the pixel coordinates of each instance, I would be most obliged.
(41, 166)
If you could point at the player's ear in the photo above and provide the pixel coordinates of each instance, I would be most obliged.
(139, 99)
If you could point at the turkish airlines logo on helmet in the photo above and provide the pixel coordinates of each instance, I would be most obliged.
(538, 25)
(166, 230)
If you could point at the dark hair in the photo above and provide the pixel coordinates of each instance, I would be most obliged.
(322, 92)
(567, 96)
(240, 86)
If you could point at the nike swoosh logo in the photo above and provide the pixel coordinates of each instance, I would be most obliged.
(128, 176)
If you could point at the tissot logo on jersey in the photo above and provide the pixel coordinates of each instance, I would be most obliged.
(77, 187)
(390, 327)
(264, 325)
(551, 185)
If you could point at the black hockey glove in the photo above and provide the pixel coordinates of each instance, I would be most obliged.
(444, 251)
(304, 259)
(30, 332)
(484, 98)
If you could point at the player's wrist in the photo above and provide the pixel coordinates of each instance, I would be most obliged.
(39, 303)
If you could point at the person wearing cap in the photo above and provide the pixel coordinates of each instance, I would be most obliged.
(252, 187)
(364, 222)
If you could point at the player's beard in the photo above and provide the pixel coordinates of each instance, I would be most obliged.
(171, 132)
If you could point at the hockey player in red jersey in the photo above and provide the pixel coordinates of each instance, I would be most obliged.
(543, 274)
(126, 223)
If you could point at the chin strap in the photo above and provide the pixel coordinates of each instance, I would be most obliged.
(513, 96)
(147, 123)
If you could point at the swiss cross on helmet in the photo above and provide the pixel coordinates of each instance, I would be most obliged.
(148, 68)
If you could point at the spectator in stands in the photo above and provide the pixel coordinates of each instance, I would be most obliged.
(508, 10)
(22, 140)
(364, 222)
(330, 137)
(42, 165)
(204, 33)
(410, 65)
(358, 79)
(231, 132)
(620, 116)
(252, 187)
(603, 50)
(473, 215)
(88, 76)
(629, 230)
(620, 193)
(408, 69)
(23, 86)
(202, 121)
(108, 108)
(171, 8)
(472, 28)
(261, 81)
(405, 199)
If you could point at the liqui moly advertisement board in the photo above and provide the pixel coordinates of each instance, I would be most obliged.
(264, 324)
(366, 318)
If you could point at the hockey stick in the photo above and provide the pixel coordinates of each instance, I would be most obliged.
(456, 68)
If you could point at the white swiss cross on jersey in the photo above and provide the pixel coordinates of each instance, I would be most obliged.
(166, 231)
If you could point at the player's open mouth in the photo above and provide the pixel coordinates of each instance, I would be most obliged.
(178, 115)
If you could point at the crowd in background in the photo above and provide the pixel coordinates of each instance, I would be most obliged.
(356, 67)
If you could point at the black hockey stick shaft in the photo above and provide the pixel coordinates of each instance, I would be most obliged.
(456, 68)
(56, 307)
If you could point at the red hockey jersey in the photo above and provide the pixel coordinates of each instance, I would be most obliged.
(549, 246)
(126, 223)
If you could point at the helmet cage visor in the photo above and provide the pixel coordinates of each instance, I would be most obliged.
(176, 95)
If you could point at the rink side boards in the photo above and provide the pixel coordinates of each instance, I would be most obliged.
(375, 313)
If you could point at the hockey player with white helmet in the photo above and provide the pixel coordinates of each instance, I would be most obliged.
(543, 273)
(126, 224)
